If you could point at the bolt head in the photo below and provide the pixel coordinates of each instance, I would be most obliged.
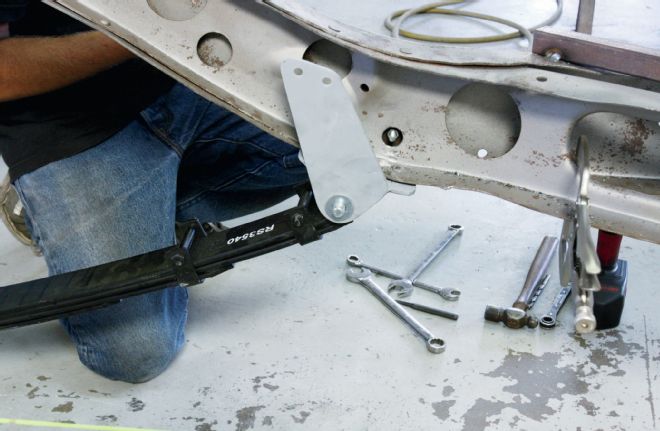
(339, 208)
(553, 55)
(298, 220)
(393, 135)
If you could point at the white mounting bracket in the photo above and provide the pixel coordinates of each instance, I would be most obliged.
(345, 175)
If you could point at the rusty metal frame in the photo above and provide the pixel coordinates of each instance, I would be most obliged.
(414, 95)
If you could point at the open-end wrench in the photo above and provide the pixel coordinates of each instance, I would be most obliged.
(364, 277)
(404, 286)
(445, 292)
(549, 320)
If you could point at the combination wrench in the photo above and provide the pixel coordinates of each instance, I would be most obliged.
(549, 320)
(364, 277)
(404, 286)
(445, 292)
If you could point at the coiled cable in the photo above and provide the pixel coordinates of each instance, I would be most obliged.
(395, 21)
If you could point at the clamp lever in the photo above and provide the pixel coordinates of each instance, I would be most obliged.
(577, 255)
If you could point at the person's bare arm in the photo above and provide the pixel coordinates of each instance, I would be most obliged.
(36, 65)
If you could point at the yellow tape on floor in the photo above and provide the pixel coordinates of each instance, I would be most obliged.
(60, 425)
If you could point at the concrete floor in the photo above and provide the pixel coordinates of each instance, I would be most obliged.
(285, 342)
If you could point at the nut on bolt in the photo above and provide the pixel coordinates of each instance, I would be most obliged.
(554, 54)
(339, 208)
(392, 136)
(178, 260)
(298, 220)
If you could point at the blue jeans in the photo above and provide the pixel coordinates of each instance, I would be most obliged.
(183, 158)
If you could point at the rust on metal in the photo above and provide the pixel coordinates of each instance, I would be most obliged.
(635, 137)
(602, 53)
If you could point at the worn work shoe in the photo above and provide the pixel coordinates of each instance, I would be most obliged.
(12, 213)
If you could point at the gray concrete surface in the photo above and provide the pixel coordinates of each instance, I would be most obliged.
(283, 342)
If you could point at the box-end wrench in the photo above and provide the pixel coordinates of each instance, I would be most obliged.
(549, 320)
(364, 277)
(445, 292)
(404, 286)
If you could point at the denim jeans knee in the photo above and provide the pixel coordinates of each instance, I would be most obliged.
(119, 199)
(133, 342)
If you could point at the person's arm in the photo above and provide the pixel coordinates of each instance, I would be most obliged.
(36, 65)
